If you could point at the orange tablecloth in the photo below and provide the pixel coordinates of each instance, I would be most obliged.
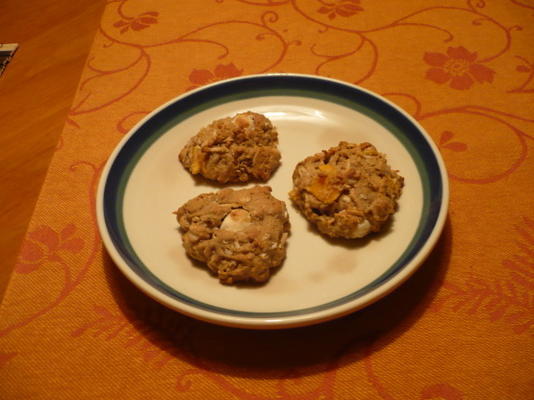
(72, 327)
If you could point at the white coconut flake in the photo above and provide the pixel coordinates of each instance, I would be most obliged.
(361, 229)
(237, 220)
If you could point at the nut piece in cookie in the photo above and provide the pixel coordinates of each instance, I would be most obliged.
(234, 149)
(347, 191)
(240, 234)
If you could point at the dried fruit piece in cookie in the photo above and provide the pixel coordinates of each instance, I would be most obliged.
(240, 234)
(347, 191)
(234, 149)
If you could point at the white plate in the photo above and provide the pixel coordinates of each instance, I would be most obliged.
(320, 279)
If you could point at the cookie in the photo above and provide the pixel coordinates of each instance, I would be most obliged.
(234, 149)
(347, 191)
(239, 234)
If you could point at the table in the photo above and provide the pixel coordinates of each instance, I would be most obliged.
(32, 124)
(71, 326)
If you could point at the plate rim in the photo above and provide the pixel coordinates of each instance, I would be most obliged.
(293, 320)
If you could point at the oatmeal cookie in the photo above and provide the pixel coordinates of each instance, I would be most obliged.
(240, 234)
(347, 191)
(234, 149)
